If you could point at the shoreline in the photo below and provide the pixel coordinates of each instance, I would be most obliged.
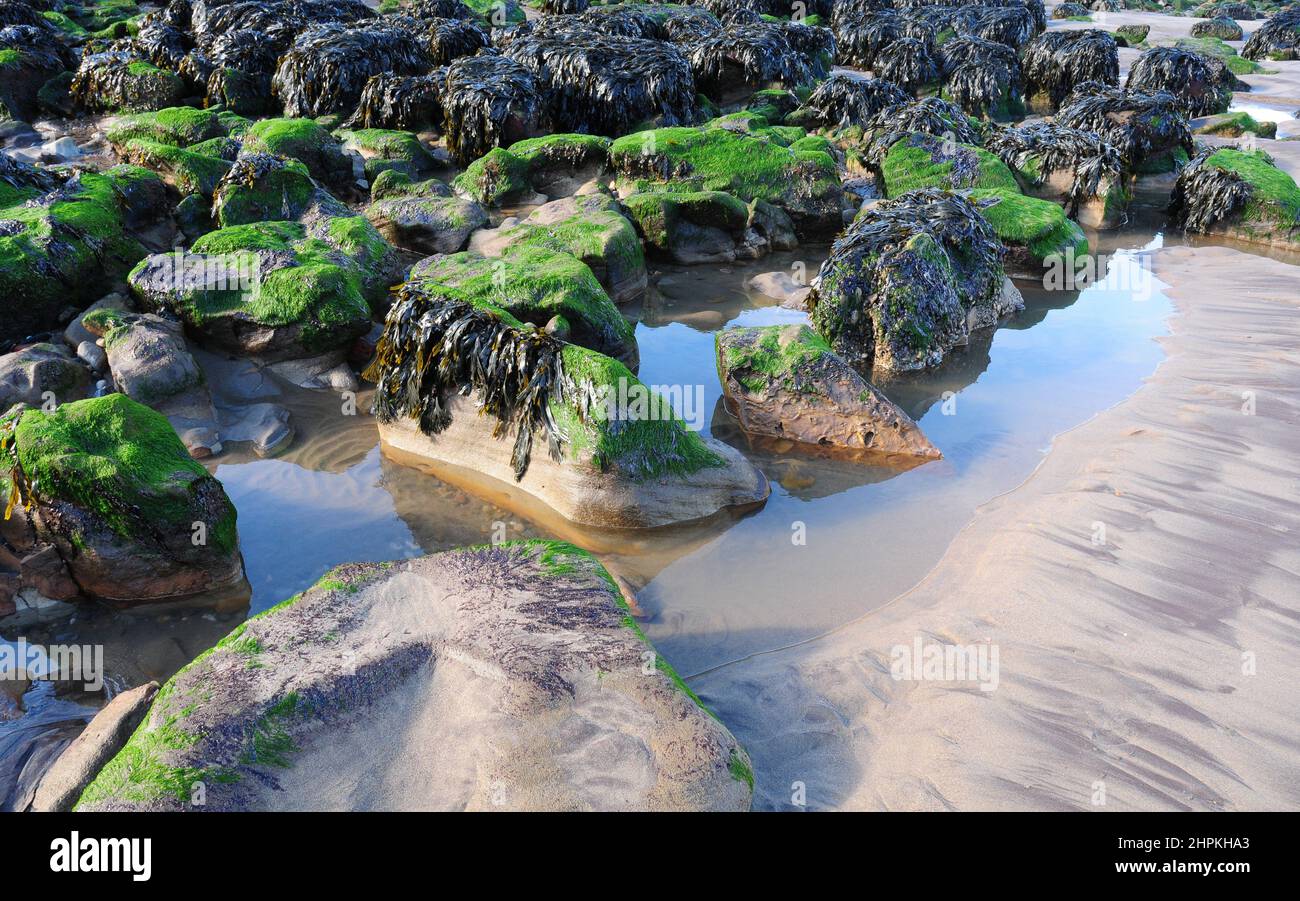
(1129, 688)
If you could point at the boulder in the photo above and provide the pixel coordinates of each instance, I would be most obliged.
(329, 64)
(1036, 233)
(111, 507)
(427, 224)
(305, 141)
(510, 677)
(1074, 168)
(618, 455)
(42, 373)
(489, 101)
(1238, 194)
(119, 82)
(554, 166)
(385, 149)
(1057, 62)
(784, 381)
(926, 161)
(1201, 86)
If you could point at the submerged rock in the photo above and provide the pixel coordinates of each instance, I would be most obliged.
(909, 280)
(537, 286)
(455, 379)
(515, 681)
(784, 381)
(1238, 194)
(111, 507)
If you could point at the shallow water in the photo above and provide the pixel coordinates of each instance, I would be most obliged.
(713, 592)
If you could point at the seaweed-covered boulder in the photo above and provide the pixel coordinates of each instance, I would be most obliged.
(803, 183)
(1071, 11)
(908, 281)
(117, 81)
(305, 141)
(29, 57)
(548, 289)
(1221, 27)
(1131, 34)
(860, 36)
(607, 84)
(151, 364)
(982, 77)
(400, 101)
(708, 226)
(40, 373)
(191, 149)
(741, 59)
(272, 291)
(1186, 75)
(512, 677)
(1013, 24)
(328, 65)
(592, 228)
(1243, 12)
(462, 386)
(1238, 194)
(552, 165)
(909, 63)
(1278, 38)
(1074, 168)
(1057, 62)
(489, 101)
(112, 508)
(845, 101)
(259, 187)
(785, 382)
(1150, 131)
(924, 161)
(427, 224)
(1036, 233)
(65, 239)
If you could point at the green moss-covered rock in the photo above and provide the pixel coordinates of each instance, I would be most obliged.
(553, 165)
(1239, 194)
(1131, 35)
(1036, 232)
(66, 239)
(118, 82)
(269, 290)
(695, 227)
(113, 491)
(591, 228)
(535, 285)
(393, 183)
(804, 183)
(925, 161)
(261, 187)
(385, 149)
(1234, 125)
(495, 178)
(427, 224)
(276, 714)
(303, 140)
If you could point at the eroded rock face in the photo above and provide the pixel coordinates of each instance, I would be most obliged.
(786, 382)
(113, 508)
(503, 678)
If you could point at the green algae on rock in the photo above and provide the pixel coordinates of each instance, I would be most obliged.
(1036, 233)
(1239, 194)
(553, 165)
(110, 493)
(268, 705)
(925, 161)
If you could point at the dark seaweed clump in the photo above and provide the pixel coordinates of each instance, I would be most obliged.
(860, 40)
(1136, 124)
(434, 348)
(979, 75)
(747, 56)
(1186, 75)
(488, 101)
(929, 116)
(1277, 38)
(908, 63)
(1056, 148)
(1205, 194)
(328, 65)
(844, 100)
(406, 102)
(606, 84)
(1056, 62)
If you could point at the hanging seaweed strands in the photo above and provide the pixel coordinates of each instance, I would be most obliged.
(1206, 194)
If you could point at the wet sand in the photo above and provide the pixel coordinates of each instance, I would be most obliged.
(1121, 664)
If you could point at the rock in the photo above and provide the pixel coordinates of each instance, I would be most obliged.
(1221, 27)
(511, 678)
(782, 287)
(121, 505)
(591, 228)
(65, 239)
(1036, 233)
(804, 183)
(102, 739)
(302, 288)
(329, 64)
(77, 334)
(1056, 62)
(29, 57)
(1150, 131)
(926, 161)
(1131, 35)
(392, 183)
(305, 141)
(93, 356)
(151, 364)
(1074, 168)
(261, 187)
(427, 224)
(385, 149)
(1201, 87)
(489, 101)
(1278, 38)
(40, 373)
(698, 227)
(908, 281)
(535, 285)
(553, 166)
(784, 381)
(623, 458)
(1240, 195)
(1234, 125)
(326, 371)
(266, 426)
(120, 82)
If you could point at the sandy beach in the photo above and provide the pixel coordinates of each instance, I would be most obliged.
(1154, 669)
